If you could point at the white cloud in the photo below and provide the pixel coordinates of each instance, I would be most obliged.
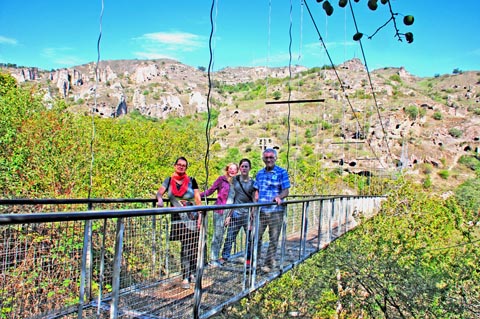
(5, 40)
(62, 56)
(168, 44)
(153, 55)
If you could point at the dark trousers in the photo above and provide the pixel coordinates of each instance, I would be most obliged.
(274, 222)
(189, 252)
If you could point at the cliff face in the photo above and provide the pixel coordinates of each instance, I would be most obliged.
(410, 120)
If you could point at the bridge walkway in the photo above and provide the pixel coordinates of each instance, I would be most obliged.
(120, 263)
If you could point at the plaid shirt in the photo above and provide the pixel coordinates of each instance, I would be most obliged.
(270, 184)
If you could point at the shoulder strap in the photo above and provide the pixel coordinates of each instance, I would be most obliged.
(243, 189)
(168, 184)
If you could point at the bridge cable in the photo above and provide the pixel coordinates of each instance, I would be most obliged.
(198, 290)
(289, 85)
(338, 77)
(371, 83)
(269, 25)
(92, 140)
(208, 125)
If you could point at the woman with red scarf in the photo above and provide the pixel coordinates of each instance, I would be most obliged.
(182, 190)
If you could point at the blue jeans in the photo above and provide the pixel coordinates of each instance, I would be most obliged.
(218, 232)
(236, 223)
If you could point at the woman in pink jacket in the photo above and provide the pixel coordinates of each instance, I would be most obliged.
(222, 187)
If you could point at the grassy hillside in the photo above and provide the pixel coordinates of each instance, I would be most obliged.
(430, 127)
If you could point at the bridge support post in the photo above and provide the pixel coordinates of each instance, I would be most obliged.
(85, 273)
(117, 262)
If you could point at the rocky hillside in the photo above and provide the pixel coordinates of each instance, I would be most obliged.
(418, 124)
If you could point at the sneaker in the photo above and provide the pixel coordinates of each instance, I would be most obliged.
(192, 279)
(222, 261)
(215, 264)
(185, 284)
(266, 269)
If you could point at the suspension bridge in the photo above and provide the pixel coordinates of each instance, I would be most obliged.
(115, 259)
(112, 258)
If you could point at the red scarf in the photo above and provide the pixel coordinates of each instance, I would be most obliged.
(177, 179)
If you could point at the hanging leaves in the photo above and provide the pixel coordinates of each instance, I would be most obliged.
(408, 20)
(373, 5)
(409, 37)
(357, 36)
(328, 8)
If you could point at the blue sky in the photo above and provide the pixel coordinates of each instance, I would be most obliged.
(54, 34)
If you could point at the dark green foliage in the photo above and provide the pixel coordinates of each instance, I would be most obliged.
(471, 162)
(416, 259)
(47, 154)
(445, 174)
(468, 195)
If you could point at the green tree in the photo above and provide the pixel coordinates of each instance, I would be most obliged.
(468, 195)
(7, 83)
(417, 258)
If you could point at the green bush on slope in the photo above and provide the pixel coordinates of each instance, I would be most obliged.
(416, 259)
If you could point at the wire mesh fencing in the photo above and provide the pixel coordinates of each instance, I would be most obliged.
(137, 263)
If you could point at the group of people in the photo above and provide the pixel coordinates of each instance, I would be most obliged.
(271, 184)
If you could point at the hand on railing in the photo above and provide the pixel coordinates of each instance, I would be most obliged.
(160, 202)
(278, 200)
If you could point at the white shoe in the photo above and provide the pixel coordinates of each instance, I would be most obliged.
(266, 269)
(185, 284)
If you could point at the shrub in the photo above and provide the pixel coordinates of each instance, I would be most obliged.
(470, 162)
(308, 133)
(437, 116)
(427, 183)
(396, 78)
(7, 83)
(412, 112)
(468, 195)
(455, 132)
(444, 174)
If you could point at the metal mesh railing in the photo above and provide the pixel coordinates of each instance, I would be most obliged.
(123, 263)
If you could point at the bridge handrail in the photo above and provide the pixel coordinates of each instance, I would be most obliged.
(124, 236)
(10, 219)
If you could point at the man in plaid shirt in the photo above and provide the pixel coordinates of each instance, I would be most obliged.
(272, 185)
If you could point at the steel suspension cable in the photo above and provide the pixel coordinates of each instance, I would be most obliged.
(370, 81)
(208, 125)
(92, 140)
(338, 78)
(289, 84)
